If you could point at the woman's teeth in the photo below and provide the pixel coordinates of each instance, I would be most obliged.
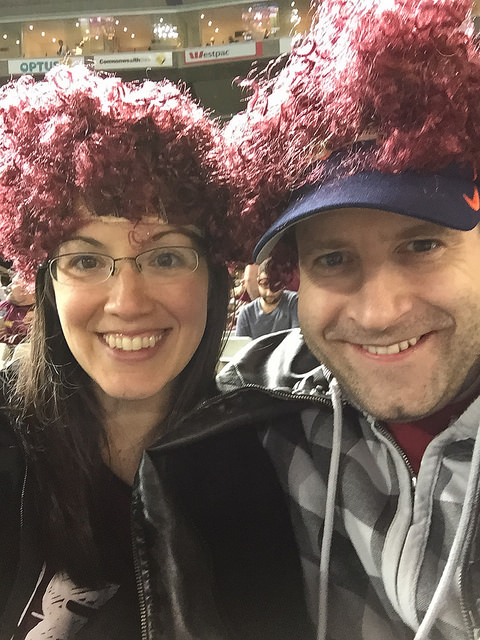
(129, 343)
(392, 348)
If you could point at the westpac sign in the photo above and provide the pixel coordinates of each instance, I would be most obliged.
(233, 51)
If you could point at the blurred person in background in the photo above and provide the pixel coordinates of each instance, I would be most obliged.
(62, 49)
(244, 290)
(275, 309)
(16, 312)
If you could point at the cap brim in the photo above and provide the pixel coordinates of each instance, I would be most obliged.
(448, 198)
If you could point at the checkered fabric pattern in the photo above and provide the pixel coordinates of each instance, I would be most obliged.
(392, 532)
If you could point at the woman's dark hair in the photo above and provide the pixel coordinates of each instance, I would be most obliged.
(59, 422)
(74, 146)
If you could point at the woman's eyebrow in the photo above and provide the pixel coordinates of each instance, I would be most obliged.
(85, 239)
(179, 231)
(97, 244)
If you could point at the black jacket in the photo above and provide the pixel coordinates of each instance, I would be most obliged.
(215, 555)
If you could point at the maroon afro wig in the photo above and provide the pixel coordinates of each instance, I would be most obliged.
(402, 73)
(127, 150)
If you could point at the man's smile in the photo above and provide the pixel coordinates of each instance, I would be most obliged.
(391, 348)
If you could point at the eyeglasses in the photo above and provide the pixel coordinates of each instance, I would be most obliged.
(161, 264)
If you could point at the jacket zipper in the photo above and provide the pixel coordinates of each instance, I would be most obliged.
(386, 434)
(22, 499)
(22, 525)
(286, 395)
(141, 602)
(139, 585)
(472, 630)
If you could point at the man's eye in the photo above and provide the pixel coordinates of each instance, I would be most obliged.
(422, 246)
(334, 259)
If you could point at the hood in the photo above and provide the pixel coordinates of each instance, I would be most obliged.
(278, 361)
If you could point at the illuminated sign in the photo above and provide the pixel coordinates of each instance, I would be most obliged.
(141, 60)
(32, 65)
(233, 51)
(285, 45)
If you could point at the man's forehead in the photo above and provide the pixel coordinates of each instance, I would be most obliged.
(447, 197)
(349, 223)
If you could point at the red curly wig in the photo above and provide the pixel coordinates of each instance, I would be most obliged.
(127, 149)
(403, 73)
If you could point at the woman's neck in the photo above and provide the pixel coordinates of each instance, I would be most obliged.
(130, 427)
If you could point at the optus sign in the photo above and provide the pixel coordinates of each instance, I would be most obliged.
(32, 65)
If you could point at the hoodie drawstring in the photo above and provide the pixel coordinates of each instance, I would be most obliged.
(440, 596)
(329, 511)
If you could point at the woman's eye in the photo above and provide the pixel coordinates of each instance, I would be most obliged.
(85, 262)
(166, 260)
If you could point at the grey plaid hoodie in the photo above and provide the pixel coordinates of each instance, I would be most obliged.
(386, 555)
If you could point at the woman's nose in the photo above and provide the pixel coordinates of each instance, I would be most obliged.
(129, 293)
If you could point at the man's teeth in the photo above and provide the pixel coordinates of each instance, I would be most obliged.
(128, 343)
(392, 348)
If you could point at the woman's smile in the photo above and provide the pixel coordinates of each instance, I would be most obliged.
(124, 342)
(135, 331)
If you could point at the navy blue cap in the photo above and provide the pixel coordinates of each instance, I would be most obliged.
(449, 198)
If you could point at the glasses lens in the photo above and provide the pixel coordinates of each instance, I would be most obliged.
(168, 262)
(81, 268)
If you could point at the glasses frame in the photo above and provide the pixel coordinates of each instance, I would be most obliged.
(50, 264)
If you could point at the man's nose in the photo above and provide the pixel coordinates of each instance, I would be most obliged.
(381, 298)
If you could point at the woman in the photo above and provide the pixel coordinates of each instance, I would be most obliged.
(112, 196)
(126, 512)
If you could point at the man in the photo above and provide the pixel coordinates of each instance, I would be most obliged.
(360, 158)
(62, 49)
(274, 310)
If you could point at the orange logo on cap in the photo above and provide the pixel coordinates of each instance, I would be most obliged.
(474, 201)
